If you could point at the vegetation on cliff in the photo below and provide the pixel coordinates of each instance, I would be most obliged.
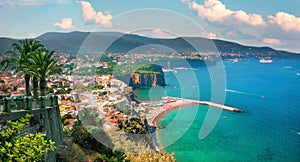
(138, 69)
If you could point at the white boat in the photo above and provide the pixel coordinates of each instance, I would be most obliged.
(233, 60)
(265, 61)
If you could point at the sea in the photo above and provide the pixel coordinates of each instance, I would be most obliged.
(268, 130)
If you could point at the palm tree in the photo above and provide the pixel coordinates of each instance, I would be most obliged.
(41, 64)
(18, 56)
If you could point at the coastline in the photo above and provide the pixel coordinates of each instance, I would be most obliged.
(155, 114)
(168, 104)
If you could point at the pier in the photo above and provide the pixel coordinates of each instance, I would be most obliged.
(216, 105)
(212, 104)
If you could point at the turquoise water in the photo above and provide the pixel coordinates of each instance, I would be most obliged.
(268, 131)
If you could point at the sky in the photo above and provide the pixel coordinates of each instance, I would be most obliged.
(273, 23)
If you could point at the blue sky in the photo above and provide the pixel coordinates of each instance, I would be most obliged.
(274, 23)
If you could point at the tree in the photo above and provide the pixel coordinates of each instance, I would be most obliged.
(18, 56)
(41, 64)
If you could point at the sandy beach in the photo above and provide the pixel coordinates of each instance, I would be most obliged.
(169, 104)
(157, 111)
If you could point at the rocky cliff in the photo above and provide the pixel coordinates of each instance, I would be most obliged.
(147, 80)
(141, 75)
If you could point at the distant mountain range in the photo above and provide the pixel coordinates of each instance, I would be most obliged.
(115, 42)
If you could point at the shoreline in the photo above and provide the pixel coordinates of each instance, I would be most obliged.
(172, 103)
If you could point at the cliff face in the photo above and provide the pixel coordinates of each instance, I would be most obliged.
(146, 80)
(148, 76)
(142, 75)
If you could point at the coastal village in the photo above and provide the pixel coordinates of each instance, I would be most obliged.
(103, 93)
(86, 84)
(111, 99)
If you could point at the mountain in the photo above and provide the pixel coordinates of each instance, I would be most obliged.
(115, 42)
(5, 44)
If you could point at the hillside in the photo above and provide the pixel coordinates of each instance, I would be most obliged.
(122, 43)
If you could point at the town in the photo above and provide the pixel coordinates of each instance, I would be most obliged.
(89, 92)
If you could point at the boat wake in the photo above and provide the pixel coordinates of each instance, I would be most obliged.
(234, 91)
(240, 92)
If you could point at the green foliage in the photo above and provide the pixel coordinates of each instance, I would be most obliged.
(133, 125)
(100, 70)
(50, 90)
(31, 147)
(83, 138)
(126, 111)
(41, 64)
(137, 68)
(105, 58)
(64, 90)
(151, 156)
(69, 66)
(97, 86)
(65, 117)
(76, 153)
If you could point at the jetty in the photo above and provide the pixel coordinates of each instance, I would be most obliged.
(212, 104)
(216, 105)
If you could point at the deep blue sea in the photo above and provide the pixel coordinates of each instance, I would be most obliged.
(269, 130)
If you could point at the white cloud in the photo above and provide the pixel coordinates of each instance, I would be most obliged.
(250, 19)
(158, 33)
(216, 11)
(91, 16)
(285, 21)
(65, 23)
(27, 3)
(212, 10)
(62, 1)
(272, 41)
(11, 4)
(212, 35)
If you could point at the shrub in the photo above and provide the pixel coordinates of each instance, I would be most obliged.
(31, 147)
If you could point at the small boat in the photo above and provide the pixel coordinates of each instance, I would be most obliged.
(265, 61)
(233, 60)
